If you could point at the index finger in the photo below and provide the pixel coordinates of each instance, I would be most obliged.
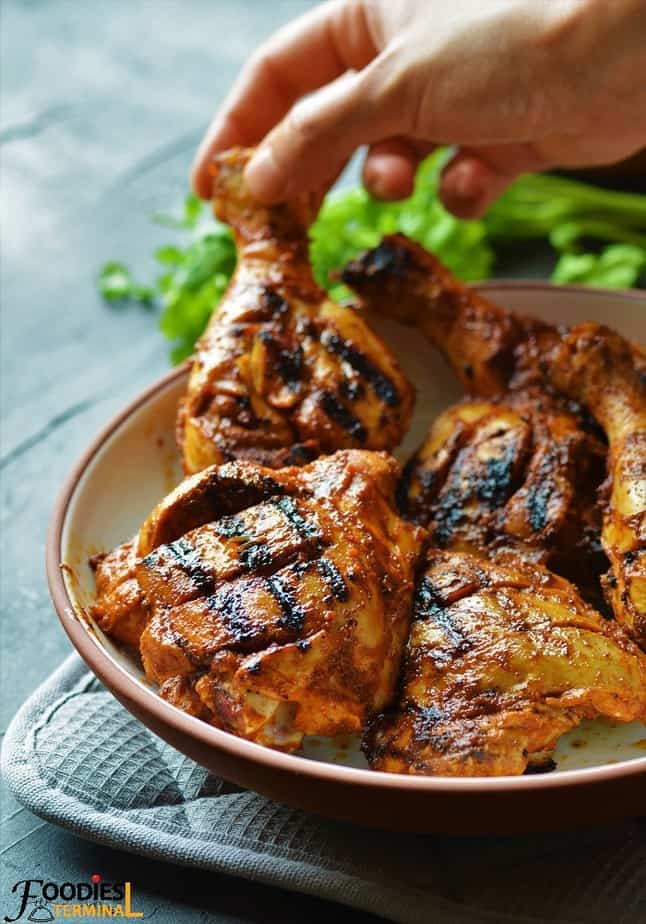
(302, 56)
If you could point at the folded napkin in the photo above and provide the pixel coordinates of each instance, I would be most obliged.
(77, 758)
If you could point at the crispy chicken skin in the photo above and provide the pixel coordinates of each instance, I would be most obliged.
(282, 374)
(597, 367)
(501, 661)
(515, 475)
(493, 350)
(280, 599)
(489, 349)
(120, 609)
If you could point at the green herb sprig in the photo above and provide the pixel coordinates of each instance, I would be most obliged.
(599, 237)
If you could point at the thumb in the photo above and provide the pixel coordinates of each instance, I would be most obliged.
(475, 177)
(304, 151)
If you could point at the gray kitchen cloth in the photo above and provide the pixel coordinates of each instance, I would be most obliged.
(76, 757)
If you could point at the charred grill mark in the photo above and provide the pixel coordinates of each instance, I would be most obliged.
(230, 605)
(256, 557)
(234, 493)
(188, 560)
(230, 527)
(386, 259)
(293, 617)
(537, 505)
(380, 383)
(306, 529)
(494, 488)
(288, 363)
(427, 605)
(446, 516)
(253, 556)
(274, 303)
(352, 391)
(290, 366)
(424, 721)
(342, 416)
(333, 577)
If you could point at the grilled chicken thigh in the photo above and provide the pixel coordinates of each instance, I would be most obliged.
(283, 374)
(280, 599)
(515, 475)
(493, 350)
(501, 661)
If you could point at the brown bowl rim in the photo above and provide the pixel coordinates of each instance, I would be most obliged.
(103, 664)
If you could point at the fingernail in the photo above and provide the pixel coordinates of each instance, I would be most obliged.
(263, 177)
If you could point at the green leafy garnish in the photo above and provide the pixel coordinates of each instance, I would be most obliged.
(565, 212)
(599, 237)
(193, 285)
(351, 221)
(617, 267)
(117, 285)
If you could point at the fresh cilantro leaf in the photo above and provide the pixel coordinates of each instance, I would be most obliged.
(117, 285)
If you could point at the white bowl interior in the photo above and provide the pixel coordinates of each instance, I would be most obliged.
(138, 464)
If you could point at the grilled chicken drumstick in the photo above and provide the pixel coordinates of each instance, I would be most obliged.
(489, 349)
(596, 367)
(493, 350)
(283, 374)
(501, 661)
(280, 600)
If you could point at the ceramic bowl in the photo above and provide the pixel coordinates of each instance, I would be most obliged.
(132, 463)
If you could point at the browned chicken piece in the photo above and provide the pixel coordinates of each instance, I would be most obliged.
(490, 349)
(493, 350)
(283, 374)
(501, 661)
(515, 475)
(596, 367)
(280, 599)
(120, 609)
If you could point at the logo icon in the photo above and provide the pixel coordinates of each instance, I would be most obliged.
(41, 901)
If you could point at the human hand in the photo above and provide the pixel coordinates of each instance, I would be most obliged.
(516, 85)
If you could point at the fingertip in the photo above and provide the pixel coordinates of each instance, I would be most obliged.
(264, 179)
(467, 187)
(389, 176)
(223, 133)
